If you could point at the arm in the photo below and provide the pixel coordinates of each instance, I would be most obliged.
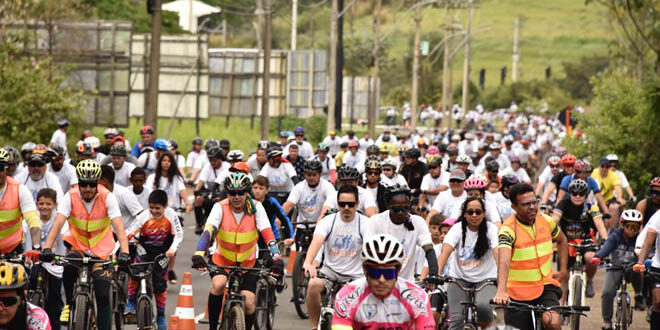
(562, 252)
(444, 255)
(431, 258)
(600, 226)
(370, 211)
(183, 193)
(54, 231)
(177, 231)
(618, 192)
(312, 251)
(284, 219)
(651, 234)
(539, 190)
(601, 202)
(287, 207)
(560, 195)
(333, 176)
(503, 262)
(118, 226)
(548, 190)
(608, 247)
(641, 206)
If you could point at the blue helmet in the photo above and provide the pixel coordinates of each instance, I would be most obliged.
(299, 130)
(162, 144)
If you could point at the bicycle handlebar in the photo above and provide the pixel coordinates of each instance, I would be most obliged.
(540, 308)
(325, 277)
(215, 268)
(584, 245)
(85, 260)
(14, 258)
(304, 223)
(466, 289)
(612, 266)
(133, 268)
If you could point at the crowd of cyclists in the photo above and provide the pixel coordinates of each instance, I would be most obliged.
(420, 225)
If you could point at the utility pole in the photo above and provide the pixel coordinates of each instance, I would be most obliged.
(339, 85)
(224, 32)
(466, 63)
(516, 49)
(333, 67)
(445, 72)
(294, 24)
(151, 112)
(415, 68)
(265, 93)
(376, 70)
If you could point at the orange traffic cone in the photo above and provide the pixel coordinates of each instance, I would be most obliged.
(185, 308)
(174, 323)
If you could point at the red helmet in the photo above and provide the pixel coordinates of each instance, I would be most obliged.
(655, 181)
(568, 160)
(582, 165)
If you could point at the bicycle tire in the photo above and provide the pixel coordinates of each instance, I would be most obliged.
(325, 322)
(236, 319)
(37, 298)
(80, 317)
(299, 285)
(261, 314)
(272, 302)
(577, 301)
(117, 307)
(623, 316)
(144, 313)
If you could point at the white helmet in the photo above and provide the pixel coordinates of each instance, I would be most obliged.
(612, 158)
(390, 162)
(631, 215)
(93, 141)
(382, 250)
(463, 158)
(235, 155)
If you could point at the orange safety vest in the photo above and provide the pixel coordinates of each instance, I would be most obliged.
(11, 231)
(90, 231)
(531, 260)
(236, 242)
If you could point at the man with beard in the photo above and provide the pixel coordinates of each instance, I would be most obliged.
(37, 178)
(372, 170)
(64, 171)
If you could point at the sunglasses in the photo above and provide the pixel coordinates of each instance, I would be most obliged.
(344, 204)
(579, 194)
(2, 167)
(236, 193)
(387, 170)
(432, 167)
(632, 226)
(455, 181)
(584, 172)
(530, 203)
(373, 173)
(299, 135)
(476, 212)
(387, 273)
(654, 192)
(398, 209)
(91, 184)
(554, 166)
(7, 302)
(36, 164)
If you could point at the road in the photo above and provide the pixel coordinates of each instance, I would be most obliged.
(286, 317)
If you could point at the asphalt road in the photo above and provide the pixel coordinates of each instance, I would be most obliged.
(286, 317)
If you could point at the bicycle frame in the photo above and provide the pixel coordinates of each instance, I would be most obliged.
(538, 310)
(232, 288)
(577, 272)
(328, 299)
(470, 306)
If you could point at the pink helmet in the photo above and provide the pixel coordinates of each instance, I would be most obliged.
(475, 182)
(433, 150)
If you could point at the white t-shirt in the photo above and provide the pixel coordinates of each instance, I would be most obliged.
(255, 168)
(353, 160)
(463, 264)
(431, 183)
(170, 215)
(180, 161)
(66, 175)
(446, 202)
(143, 197)
(150, 159)
(59, 138)
(192, 157)
(396, 178)
(123, 174)
(624, 180)
(410, 239)
(58, 248)
(364, 196)
(64, 208)
(328, 165)
(49, 180)
(209, 174)
(201, 161)
(279, 178)
(521, 174)
(305, 150)
(173, 189)
(310, 200)
(129, 206)
(333, 144)
(654, 226)
(26, 202)
(343, 243)
(373, 191)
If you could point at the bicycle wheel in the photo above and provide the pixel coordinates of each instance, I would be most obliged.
(261, 314)
(236, 319)
(272, 302)
(117, 307)
(299, 285)
(325, 322)
(577, 301)
(145, 313)
(623, 312)
(81, 314)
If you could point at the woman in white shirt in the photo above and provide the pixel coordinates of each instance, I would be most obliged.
(469, 249)
(167, 178)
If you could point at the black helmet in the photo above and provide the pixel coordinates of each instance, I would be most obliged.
(274, 151)
(509, 180)
(492, 166)
(437, 161)
(13, 155)
(197, 140)
(57, 151)
(578, 186)
(224, 144)
(373, 150)
(413, 153)
(214, 152)
(118, 149)
(373, 163)
(175, 145)
(397, 189)
(313, 165)
(210, 143)
(347, 173)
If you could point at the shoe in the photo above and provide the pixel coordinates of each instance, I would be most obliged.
(160, 321)
(607, 326)
(590, 289)
(172, 277)
(640, 303)
(199, 230)
(64, 317)
(130, 308)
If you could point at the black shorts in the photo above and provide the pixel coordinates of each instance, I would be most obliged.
(523, 319)
(248, 281)
(437, 301)
(654, 281)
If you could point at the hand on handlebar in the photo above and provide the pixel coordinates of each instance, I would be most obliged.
(170, 253)
(47, 255)
(288, 242)
(199, 262)
(310, 270)
(595, 261)
(33, 255)
(639, 268)
(501, 298)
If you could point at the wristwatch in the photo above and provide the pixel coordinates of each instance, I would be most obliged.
(36, 247)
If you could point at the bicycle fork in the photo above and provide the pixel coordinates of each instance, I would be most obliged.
(576, 276)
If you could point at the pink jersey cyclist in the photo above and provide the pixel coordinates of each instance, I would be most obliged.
(37, 319)
(406, 307)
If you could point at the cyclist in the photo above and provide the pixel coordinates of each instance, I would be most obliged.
(517, 170)
(373, 170)
(468, 248)
(147, 135)
(37, 177)
(413, 170)
(341, 236)
(333, 142)
(258, 160)
(578, 220)
(141, 192)
(16, 203)
(195, 152)
(433, 183)
(276, 215)
(501, 197)
(14, 159)
(89, 206)
(492, 170)
(449, 199)
(159, 232)
(610, 188)
(17, 312)
(309, 195)
(280, 173)
(129, 206)
(148, 161)
(614, 164)
(464, 163)
(121, 167)
(390, 177)
(620, 246)
(652, 238)
(26, 151)
(236, 216)
(353, 157)
(582, 171)
(83, 151)
(411, 230)
(554, 163)
(305, 150)
(203, 159)
(205, 186)
(339, 157)
(64, 171)
(297, 162)
(329, 167)
(371, 301)
(349, 176)
(568, 168)
(528, 277)
(649, 205)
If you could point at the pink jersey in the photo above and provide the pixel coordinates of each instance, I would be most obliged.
(37, 318)
(406, 307)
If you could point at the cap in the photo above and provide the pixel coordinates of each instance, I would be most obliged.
(37, 158)
(284, 134)
(146, 129)
(457, 175)
(612, 158)
(62, 123)
(603, 161)
(332, 133)
(299, 130)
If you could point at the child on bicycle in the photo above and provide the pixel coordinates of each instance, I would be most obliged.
(439, 227)
(158, 232)
(47, 204)
(620, 246)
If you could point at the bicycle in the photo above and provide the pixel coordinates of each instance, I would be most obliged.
(232, 314)
(443, 320)
(577, 280)
(265, 296)
(299, 280)
(118, 296)
(38, 290)
(538, 310)
(470, 306)
(83, 306)
(624, 310)
(328, 301)
(141, 272)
